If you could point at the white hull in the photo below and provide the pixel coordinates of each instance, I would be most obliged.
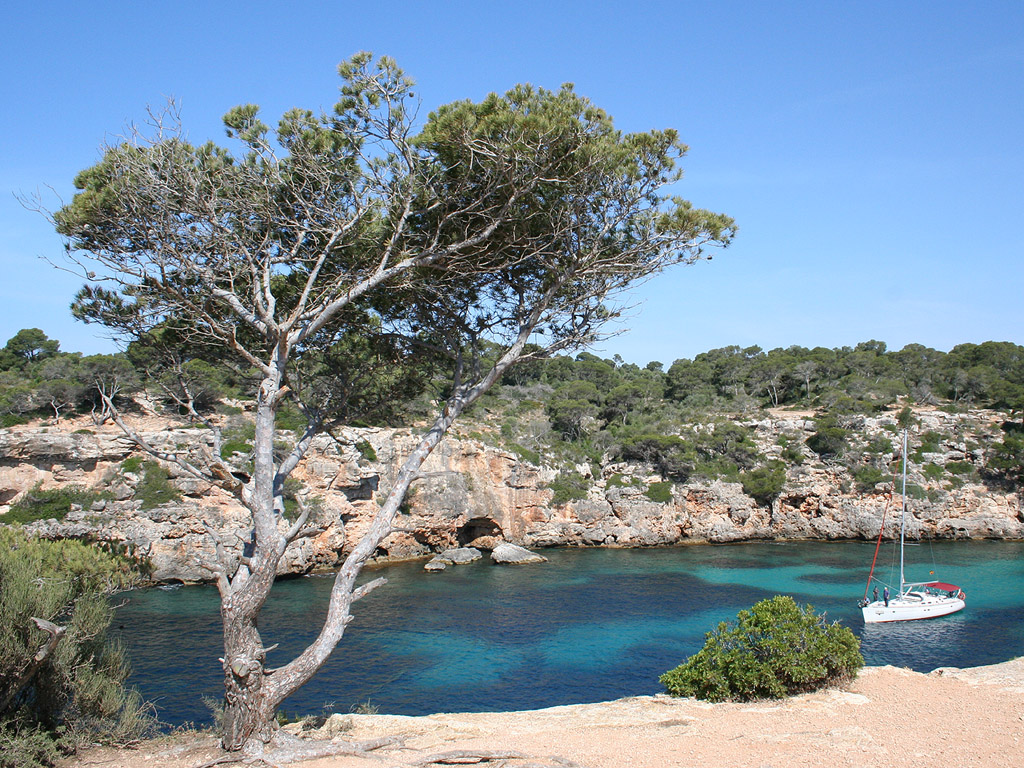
(911, 606)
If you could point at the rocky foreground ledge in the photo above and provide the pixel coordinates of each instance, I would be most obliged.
(887, 718)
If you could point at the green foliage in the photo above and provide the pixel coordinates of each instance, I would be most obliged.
(960, 467)
(238, 438)
(1007, 459)
(74, 693)
(669, 454)
(366, 450)
(230, 447)
(792, 454)
(526, 454)
(915, 491)
(30, 345)
(879, 445)
(932, 471)
(568, 486)
(619, 481)
(660, 493)
(155, 487)
(764, 484)
(831, 439)
(905, 418)
(775, 649)
(132, 464)
(930, 441)
(52, 503)
(867, 477)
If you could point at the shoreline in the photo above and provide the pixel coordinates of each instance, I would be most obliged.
(886, 717)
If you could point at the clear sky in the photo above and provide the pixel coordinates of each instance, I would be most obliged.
(872, 153)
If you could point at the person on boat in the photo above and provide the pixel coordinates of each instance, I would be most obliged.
(876, 594)
(885, 596)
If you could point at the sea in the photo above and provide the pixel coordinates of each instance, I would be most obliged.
(588, 625)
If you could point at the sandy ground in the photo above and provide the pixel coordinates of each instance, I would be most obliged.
(888, 717)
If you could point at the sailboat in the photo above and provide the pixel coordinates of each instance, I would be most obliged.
(915, 600)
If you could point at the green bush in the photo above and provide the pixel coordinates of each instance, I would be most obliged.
(867, 477)
(132, 464)
(915, 491)
(960, 467)
(764, 484)
(659, 492)
(568, 486)
(830, 440)
(619, 481)
(932, 471)
(366, 450)
(75, 693)
(532, 457)
(155, 487)
(775, 649)
(51, 504)
(231, 447)
(930, 441)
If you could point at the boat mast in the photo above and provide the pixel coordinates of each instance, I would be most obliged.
(903, 507)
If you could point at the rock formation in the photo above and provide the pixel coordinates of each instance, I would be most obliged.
(478, 495)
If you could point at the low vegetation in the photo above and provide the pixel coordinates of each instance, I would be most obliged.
(774, 650)
(61, 680)
(52, 503)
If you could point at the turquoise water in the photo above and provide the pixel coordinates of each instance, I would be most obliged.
(589, 625)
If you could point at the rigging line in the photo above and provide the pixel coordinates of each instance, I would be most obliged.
(881, 530)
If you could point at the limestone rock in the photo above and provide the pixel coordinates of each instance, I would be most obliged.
(459, 556)
(511, 554)
(470, 494)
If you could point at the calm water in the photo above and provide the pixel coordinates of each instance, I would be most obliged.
(589, 625)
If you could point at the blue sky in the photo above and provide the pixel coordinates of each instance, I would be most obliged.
(871, 153)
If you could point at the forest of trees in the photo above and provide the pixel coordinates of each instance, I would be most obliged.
(581, 394)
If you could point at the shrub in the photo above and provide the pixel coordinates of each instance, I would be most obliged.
(619, 481)
(231, 447)
(75, 692)
(830, 440)
(659, 492)
(775, 649)
(960, 467)
(366, 450)
(792, 454)
(764, 484)
(51, 504)
(568, 486)
(930, 441)
(132, 464)
(915, 491)
(867, 477)
(905, 418)
(155, 487)
(527, 455)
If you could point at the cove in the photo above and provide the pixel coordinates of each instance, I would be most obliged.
(589, 625)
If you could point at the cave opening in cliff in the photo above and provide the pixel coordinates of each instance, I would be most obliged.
(476, 528)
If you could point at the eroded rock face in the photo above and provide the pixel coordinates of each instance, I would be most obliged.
(471, 494)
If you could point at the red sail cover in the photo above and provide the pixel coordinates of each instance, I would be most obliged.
(941, 585)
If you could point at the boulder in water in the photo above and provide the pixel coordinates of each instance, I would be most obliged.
(511, 554)
(459, 556)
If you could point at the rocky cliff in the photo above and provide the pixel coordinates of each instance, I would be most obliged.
(471, 493)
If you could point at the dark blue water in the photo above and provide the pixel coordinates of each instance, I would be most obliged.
(589, 625)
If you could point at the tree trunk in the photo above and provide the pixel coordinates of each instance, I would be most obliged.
(248, 708)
